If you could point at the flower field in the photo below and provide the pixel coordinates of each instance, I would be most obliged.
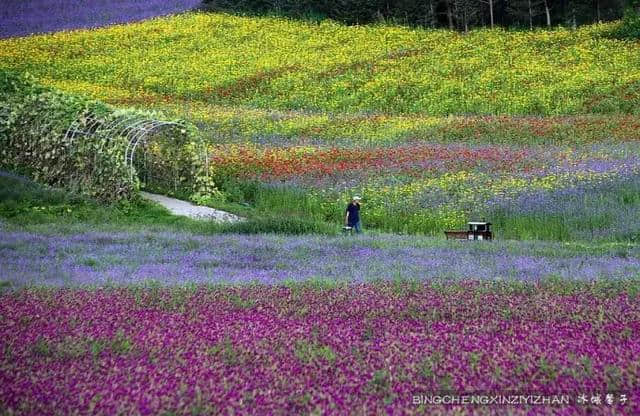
(126, 258)
(276, 63)
(359, 349)
(239, 125)
(159, 322)
(26, 17)
(126, 309)
(542, 139)
(592, 191)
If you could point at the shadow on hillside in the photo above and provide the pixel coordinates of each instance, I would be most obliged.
(319, 12)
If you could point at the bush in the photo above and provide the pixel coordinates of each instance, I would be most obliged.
(629, 28)
(33, 122)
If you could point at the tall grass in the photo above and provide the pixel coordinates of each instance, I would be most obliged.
(25, 203)
(608, 213)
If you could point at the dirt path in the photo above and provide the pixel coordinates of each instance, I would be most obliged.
(178, 207)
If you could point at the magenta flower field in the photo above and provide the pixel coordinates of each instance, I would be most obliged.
(377, 348)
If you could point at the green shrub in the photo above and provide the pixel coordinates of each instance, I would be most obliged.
(629, 28)
(33, 124)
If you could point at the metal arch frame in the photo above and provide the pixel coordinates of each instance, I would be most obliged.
(115, 126)
(121, 129)
(109, 126)
(119, 119)
(135, 129)
(77, 129)
(142, 136)
(95, 126)
(133, 138)
(134, 135)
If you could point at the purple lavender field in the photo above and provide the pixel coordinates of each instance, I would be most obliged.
(26, 17)
(171, 258)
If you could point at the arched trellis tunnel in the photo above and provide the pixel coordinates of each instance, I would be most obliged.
(158, 155)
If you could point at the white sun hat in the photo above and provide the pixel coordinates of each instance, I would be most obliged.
(356, 198)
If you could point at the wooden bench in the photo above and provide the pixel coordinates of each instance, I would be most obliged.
(457, 235)
(478, 230)
(469, 235)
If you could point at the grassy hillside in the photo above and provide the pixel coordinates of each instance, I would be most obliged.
(380, 96)
(276, 63)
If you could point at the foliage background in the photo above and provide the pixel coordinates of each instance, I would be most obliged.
(432, 13)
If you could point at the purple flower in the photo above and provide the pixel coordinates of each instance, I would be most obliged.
(26, 17)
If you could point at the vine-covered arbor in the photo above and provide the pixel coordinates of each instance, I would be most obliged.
(87, 146)
(158, 155)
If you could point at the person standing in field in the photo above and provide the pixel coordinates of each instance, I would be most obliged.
(352, 217)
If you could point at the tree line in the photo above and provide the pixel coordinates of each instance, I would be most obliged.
(459, 15)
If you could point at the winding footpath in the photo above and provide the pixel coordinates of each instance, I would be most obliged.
(187, 209)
